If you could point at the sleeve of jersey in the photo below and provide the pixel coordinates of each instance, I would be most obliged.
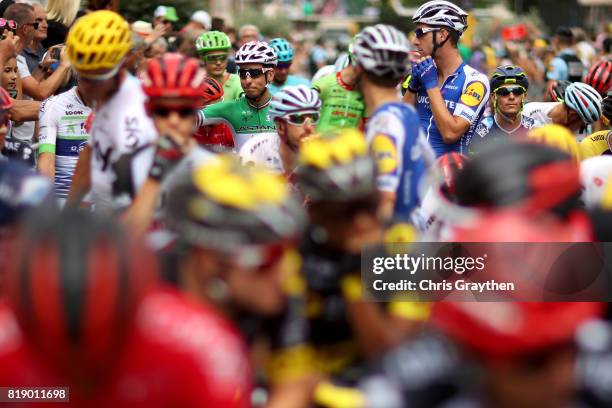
(218, 110)
(47, 131)
(474, 97)
(386, 145)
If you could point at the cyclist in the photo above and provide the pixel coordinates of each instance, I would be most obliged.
(248, 115)
(213, 47)
(607, 107)
(295, 111)
(580, 107)
(509, 85)
(216, 136)
(556, 90)
(62, 136)
(600, 76)
(393, 132)
(282, 78)
(96, 46)
(173, 85)
(594, 175)
(332, 325)
(342, 102)
(450, 96)
(119, 340)
(597, 144)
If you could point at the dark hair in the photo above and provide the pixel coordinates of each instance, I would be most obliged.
(565, 35)
(384, 82)
(217, 24)
(607, 45)
(453, 37)
(95, 5)
(20, 12)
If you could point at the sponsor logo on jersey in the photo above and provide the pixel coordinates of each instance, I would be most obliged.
(474, 94)
(76, 112)
(385, 153)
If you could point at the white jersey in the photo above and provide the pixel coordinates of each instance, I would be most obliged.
(538, 111)
(62, 132)
(262, 151)
(594, 176)
(135, 171)
(119, 127)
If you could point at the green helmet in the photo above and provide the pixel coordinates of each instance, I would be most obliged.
(212, 41)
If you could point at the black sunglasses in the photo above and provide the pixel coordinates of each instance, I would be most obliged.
(251, 73)
(34, 25)
(183, 112)
(516, 91)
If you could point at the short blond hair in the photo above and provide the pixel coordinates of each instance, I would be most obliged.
(63, 11)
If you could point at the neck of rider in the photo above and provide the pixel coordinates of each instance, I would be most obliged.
(261, 100)
(349, 75)
(447, 58)
(375, 95)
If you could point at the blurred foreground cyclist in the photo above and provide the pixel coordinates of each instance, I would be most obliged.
(335, 330)
(102, 326)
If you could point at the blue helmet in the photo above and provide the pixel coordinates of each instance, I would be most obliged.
(283, 49)
(509, 75)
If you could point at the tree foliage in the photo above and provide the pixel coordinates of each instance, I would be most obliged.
(134, 10)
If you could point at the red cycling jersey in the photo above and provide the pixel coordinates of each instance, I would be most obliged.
(215, 135)
(179, 354)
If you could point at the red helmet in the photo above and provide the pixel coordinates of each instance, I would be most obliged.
(173, 75)
(510, 329)
(74, 284)
(556, 90)
(451, 164)
(211, 90)
(600, 76)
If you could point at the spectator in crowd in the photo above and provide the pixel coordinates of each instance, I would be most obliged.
(9, 77)
(246, 33)
(34, 51)
(200, 20)
(165, 16)
(60, 16)
(157, 48)
(134, 60)
(566, 66)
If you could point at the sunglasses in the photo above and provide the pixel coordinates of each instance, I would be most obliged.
(215, 58)
(183, 111)
(284, 65)
(515, 90)
(8, 24)
(34, 25)
(421, 32)
(299, 119)
(251, 73)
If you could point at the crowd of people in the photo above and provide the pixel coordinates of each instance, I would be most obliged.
(183, 211)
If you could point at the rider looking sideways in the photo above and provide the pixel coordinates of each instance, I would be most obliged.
(96, 45)
(342, 102)
(393, 133)
(580, 107)
(295, 111)
(121, 339)
(449, 95)
(509, 85)
(213, 47)
(248, 115)
(282, 78)
(62, 135)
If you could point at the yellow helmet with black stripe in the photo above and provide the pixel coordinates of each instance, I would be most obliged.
(98, 40)
(224, 205)
(559, 137)
(336, 167)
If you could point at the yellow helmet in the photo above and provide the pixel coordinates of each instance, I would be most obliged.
(337, 167)
(98, 40)
(559, 137)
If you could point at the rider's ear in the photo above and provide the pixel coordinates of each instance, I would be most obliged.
(270, 75)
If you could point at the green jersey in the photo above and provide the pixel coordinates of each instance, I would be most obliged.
(341, 106)
(232, 89)
(246, 120)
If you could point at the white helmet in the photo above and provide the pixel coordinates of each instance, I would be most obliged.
(256, 52)
(442, 13)
(585, 100)
(594, 175)
(294, 99)
(383, 51)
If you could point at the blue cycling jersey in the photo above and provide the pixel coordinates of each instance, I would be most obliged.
(401, 151)
(292, 80)
(466, 93)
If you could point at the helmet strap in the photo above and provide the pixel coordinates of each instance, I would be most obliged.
(436, 44)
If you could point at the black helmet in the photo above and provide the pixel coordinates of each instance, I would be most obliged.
(509, 75)
(520, 173)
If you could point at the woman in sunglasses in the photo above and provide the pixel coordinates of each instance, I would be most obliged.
(509, 84)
